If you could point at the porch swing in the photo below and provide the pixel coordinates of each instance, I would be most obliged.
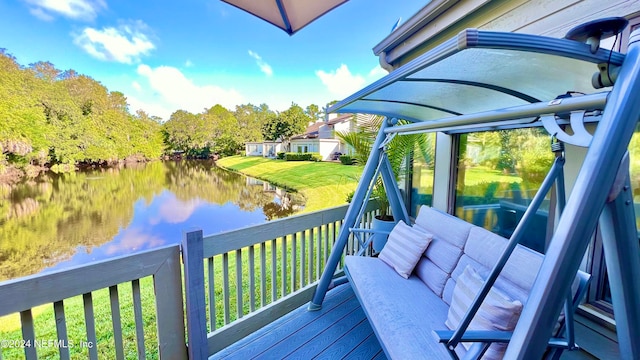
(484, 80)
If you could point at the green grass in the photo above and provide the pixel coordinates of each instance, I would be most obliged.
(323, 184)
(479, 174)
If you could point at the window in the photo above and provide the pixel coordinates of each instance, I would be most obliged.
(499, 172)
(600, 294)
(421, 176)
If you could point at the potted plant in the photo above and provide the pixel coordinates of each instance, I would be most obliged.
(383, 223)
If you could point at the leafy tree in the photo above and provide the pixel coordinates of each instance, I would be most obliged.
(314, 112)
(185, 131)
(225, 137)
(290, 122)
(251, 120)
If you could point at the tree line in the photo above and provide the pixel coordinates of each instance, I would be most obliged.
(50, 117)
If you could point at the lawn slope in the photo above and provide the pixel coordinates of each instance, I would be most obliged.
(323, 184)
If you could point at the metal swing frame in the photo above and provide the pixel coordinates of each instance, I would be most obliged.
(601, 194)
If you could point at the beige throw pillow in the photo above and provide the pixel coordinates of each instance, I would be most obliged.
(404, 248)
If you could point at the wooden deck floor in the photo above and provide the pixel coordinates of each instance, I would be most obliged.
(340, 330)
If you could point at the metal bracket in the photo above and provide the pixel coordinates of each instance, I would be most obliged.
(605, 76)
(580, 137)
(387, 140)
(621, 178)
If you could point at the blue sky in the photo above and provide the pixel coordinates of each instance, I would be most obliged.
(193, 54)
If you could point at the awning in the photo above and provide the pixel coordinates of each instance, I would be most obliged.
(288, 15)
(480, 71)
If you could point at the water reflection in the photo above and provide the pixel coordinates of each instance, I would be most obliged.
(58, 221)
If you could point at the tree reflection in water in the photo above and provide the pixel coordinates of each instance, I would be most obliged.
(60, 220)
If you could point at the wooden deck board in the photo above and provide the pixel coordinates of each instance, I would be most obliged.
(369, 348)
(339, 330)
(254, 344)
(325, 337)
(343, 346)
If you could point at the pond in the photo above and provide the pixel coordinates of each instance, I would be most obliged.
(62, 220)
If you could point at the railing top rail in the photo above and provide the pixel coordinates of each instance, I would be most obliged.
(27, 292)
(237, 239)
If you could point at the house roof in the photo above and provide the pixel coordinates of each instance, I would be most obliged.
(340, 119)
(312, 130)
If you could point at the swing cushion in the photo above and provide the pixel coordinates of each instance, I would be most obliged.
(404, 248)
(497, 311)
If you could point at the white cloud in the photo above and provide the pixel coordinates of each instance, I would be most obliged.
(136, 85)
(177, 92)
(264, 67)
(152, 109)
(376, 73)
(133, 239)
(125, 44)
(74, 9)
(177, 211)
(341, 82)
(188, 63)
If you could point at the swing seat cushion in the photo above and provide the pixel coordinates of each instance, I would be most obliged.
(406, 313)
(398, 309)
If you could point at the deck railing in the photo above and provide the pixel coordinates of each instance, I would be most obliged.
(235, 282)
(100, 332)
(257, 274)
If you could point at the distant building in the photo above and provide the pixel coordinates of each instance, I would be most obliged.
(319, 137)
(265, 149)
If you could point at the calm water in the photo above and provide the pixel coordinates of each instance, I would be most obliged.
(58, 221)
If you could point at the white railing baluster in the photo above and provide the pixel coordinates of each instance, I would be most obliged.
(116, 321)
(212, 294)
(252, 279)
(274, 271)
(239, 300)
(325, 249)
(137, 313)
(225, 286)
(312, 244)
(90, 324)
(303, 259)
(61, 329)
(263, 274)
(294, 262)
(318, 243)
(283, 269)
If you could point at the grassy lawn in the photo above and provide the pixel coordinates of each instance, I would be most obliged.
(323, 184)
(479, 174)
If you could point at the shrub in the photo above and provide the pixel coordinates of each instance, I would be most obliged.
(347, 160)
(303, 157)
(280, 155)
(297, 156)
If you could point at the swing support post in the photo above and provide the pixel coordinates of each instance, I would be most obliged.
(350, 217)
